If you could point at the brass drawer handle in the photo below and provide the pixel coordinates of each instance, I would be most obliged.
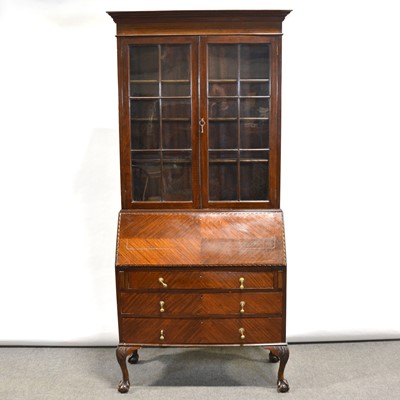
(242, 304)
(161, 280)
(241, 331)
(241, 280)
(162, 337)
(162, 306)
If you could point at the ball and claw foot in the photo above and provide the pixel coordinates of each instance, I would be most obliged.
(124, 386)
(283, 386)
(134, 358)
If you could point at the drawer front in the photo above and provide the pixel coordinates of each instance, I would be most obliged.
(243, 331)
(197, 280)
(163, 304)
(155, 331)
(242, 303)
(160, 304)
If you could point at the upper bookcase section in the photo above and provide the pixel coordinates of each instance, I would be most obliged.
(265, 22)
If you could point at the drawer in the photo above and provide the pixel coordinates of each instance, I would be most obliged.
(148, 331)
(242, 331)
(186, 331)
(164, 304)
(150, 303)
(242, 303)
(178, 279)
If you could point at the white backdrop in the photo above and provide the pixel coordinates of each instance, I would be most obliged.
(59, 168)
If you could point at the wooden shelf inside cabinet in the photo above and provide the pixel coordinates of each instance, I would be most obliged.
(201, 256)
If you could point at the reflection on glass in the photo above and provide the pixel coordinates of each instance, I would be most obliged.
(147, 182)
(177, 181)
(177, 175)
(162, 176)
(254, 89)
(222, 89)
(145, 109)
(222, 108)
(145, 134)
(255, 108)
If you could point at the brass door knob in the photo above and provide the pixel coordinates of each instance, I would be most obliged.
(162, 306)
(161, 280)
(162, 337)
(241, 331)
(242, 304)
(241, 280)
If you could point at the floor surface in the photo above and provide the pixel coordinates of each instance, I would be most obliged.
(354, 371)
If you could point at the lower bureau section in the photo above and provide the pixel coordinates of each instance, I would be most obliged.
(156, 331)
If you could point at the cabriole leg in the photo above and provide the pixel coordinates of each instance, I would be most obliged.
(280, 353)
(122, 353)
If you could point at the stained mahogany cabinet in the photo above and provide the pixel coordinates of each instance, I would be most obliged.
(200, 248)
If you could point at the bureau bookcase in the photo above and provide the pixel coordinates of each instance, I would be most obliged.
(201, 257)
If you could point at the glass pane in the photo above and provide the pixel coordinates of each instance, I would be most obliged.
(222, 178)
(143, 62)
(222, 108)
(254, 181)
(145, 135)
(222, 134)
(146, 175)
(223, 155)
(161, 71)
(254, 61)
(250, 155)
(254, 88)
(255, 108)
(176, 135)
(254, 134)
(177, 181)
(173, 89)
(176, 109)
(175, 62)
(222, 61)
(145, 109)
(220, 89)
(144, 89)
(146, 156)
(177, 176)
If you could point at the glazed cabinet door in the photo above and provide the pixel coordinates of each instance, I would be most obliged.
(239, 103)
(199, 121)
(159, 158)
